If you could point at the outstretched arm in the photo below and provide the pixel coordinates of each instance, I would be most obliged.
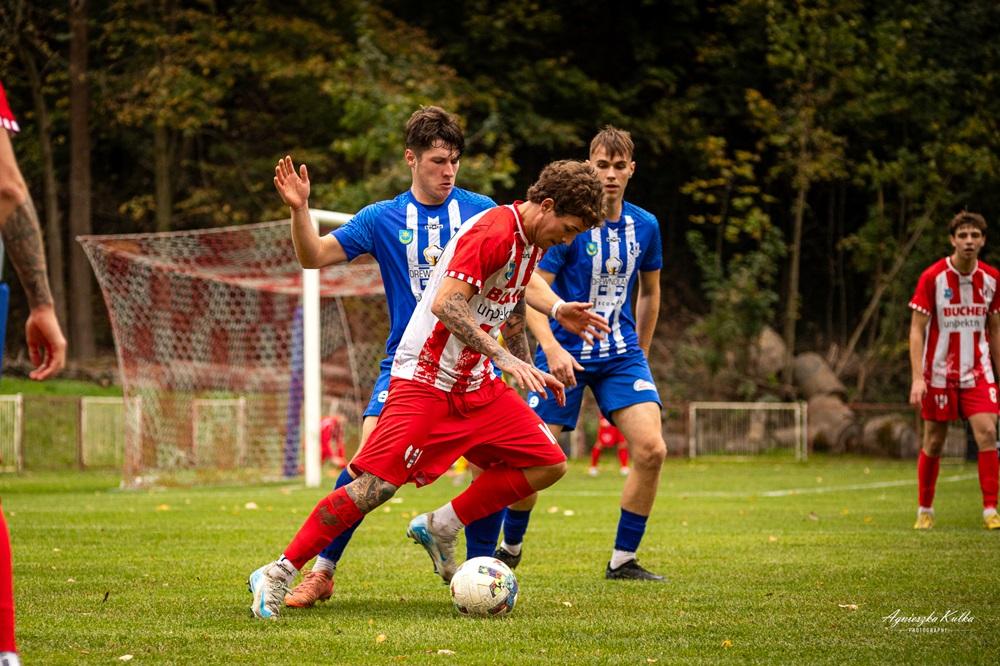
(451, 307)
(313, 250)
(577, 318)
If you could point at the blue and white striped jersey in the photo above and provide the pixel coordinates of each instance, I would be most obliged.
(406, 238)
(600, 267)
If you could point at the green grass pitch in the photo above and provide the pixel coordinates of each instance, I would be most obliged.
(767, 562)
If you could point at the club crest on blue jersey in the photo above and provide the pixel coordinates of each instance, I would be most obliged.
(405, 236)
(634, 249)
(948, 293)
(432, 253)
(613, 265)
(510, 271)
(591, 248)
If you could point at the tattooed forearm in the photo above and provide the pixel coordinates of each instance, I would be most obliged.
(368, 491)
(514, 333)
(23, 239)
(457, 317)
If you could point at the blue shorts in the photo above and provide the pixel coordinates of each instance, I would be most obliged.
(616, 382)
(379, 393)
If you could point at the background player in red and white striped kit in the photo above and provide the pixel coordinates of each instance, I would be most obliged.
(954, 335)
(445, 399)
(608, 437)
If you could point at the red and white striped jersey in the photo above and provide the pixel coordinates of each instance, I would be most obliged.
(956, 347)
(490, 252)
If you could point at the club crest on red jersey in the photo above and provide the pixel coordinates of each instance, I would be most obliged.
(510, 271)
(948, 293)
(987, 293)
(941, 400)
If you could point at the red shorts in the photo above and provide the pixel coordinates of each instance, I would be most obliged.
(423, 430)
(951, 404)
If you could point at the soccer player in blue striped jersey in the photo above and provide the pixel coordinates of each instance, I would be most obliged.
(406, 235)
(604, 266)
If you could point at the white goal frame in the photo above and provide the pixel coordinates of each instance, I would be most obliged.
(799, 410)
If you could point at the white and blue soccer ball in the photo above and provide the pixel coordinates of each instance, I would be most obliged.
(484, 587)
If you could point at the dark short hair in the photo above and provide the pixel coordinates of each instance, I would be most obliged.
(575, 189)
(614, 141)
(965, 218)
(430, 126)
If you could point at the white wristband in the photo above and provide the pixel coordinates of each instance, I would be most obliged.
(555, 308)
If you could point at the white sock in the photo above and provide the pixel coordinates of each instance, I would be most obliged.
(446, 519)
(989, 512)
(620, 557)
(9, 659)
(925, 509)
(286, 568)
(323, 564)
(513, 550)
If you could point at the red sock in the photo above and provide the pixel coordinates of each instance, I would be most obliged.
(6, 591)
(989, 468)
(623, 455)
(927, 474)
(497, 487)
(334, 514)
(595, 455)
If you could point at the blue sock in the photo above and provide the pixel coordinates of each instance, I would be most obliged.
(481, 535)
(337, 546)
(631, 527)
(515, 525)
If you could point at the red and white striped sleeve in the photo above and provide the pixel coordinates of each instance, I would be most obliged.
(7, 118)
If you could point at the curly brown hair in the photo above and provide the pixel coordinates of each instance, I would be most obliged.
(965, 218)
(432, 125)
(574, 187)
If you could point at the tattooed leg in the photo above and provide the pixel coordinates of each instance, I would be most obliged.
(368, 491)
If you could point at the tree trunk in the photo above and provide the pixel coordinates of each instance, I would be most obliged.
(161, 175)
(50, 191)
(81, 331)
(792, 310)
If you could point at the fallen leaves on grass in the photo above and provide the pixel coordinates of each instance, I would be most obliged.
(850, 607)
(727, 644)
(380, 638)
(252, 506)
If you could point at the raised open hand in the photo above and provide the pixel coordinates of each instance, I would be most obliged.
(293, 187)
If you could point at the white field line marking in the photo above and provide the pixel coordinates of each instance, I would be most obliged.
(783, 493)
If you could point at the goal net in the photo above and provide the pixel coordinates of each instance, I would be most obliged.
(208, 327)
(747, 429)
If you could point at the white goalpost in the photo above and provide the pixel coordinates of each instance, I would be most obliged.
(747, 428)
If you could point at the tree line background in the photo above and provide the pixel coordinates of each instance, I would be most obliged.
(803, 157)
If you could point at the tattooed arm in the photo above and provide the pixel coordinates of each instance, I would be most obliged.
(451, 307)
(22, 238)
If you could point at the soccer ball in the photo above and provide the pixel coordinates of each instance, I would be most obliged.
(484, 587)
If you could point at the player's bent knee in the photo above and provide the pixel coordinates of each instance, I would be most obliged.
(651, 455)
(546, 476)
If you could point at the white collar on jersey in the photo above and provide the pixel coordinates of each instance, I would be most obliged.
(952, 267)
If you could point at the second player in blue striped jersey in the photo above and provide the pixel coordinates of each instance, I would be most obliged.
(601, 267)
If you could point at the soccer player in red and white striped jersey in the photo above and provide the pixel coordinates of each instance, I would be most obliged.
(954, 336)
(445, 400)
